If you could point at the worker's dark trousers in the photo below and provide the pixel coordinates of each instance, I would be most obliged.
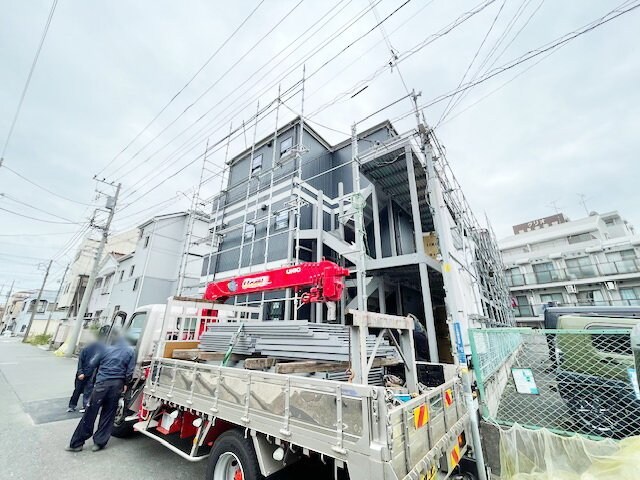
(83, 387)
(105, 398)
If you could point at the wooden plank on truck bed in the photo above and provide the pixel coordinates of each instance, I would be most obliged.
(195, 355)
(173, 345)
(259, 363)
(311, 366)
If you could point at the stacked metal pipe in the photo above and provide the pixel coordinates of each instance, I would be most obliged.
(295, 340)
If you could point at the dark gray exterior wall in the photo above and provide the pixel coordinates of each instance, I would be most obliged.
(319, 159)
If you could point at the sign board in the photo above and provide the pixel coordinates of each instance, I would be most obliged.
(524, 381)
(462, 358)
(539, 223)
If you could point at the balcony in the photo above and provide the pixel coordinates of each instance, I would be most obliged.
(574, 273)
(537, 310)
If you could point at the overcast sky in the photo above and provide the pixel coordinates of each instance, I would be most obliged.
(565, 127)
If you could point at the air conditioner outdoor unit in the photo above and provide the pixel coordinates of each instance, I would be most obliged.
(611, 285)
(571, 289)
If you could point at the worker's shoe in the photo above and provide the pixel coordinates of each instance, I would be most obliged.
(97, 448)
(82, 410)
(71, 409)
(73, 449)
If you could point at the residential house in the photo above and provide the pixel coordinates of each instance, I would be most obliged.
(166, 261)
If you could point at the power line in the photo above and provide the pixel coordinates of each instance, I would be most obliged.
(37, 219)
(162, 110)
(9, 197)
(313, 73)
(243, 96)
(26, 85)
(550, 46)
(464, 76)
(2, 165)
(242, 57)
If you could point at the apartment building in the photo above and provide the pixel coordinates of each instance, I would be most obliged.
(75, 281)
(166, 261)
(290, 198)
(589, 261)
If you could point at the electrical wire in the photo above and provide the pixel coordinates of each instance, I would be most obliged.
(2, 165)
(13, 199)
(175, 96)
(259, 74)
(475, 56)
(29, 76)
(242, 57)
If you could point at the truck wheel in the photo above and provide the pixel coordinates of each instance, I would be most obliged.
(233, 458)
(123, 430)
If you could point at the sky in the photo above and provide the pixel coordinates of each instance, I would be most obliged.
(541, 136)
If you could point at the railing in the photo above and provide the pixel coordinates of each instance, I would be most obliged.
(569, 381)
(574, 273)
(537, 309)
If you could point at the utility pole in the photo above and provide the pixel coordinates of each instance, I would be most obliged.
(55, 305)
(77, 327)
(37, 304)
(6, 303)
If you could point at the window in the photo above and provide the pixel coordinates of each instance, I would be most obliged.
(580, 267)
(630, 296)
(66, 289)
(256, 163)
(591, 297)
(121, 275)
(107, 281)
(611, 343)
(545, 272)
(282, 220)
(551, 298)
(286, 145)
(133, 267)
(249, 231)
(522, 307)
(98, 283)
(135, 284)
(135, 327)
(623, 261)
(146, 241)
(514, 277)
(583, 237)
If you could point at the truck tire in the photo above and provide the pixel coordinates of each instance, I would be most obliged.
(123, 430)
(233, 458)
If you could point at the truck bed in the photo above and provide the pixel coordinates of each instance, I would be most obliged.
(349, 422)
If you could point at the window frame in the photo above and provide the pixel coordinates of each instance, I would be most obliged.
(256, 163)
(284, 151)
(281, 221)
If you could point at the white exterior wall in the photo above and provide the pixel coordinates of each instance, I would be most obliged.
(598, 240)
(156, 263)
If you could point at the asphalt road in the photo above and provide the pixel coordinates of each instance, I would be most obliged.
(35, 387)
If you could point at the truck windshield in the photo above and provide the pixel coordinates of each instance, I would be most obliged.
(135, 327)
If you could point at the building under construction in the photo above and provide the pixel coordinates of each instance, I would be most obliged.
(383, 204)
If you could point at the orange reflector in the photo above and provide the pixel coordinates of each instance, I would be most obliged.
(448, 397)
(431, 474)
(455, 455)
(462, 440)
(420, 416)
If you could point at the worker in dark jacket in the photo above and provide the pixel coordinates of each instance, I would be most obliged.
(84, 375)
(115, 367)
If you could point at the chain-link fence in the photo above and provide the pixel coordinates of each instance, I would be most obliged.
(570, 381)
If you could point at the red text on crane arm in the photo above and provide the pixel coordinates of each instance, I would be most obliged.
(324, 279)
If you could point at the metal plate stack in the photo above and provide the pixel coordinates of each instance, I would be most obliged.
(295, 340)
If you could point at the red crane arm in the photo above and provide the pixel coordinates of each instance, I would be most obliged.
(325, 279)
